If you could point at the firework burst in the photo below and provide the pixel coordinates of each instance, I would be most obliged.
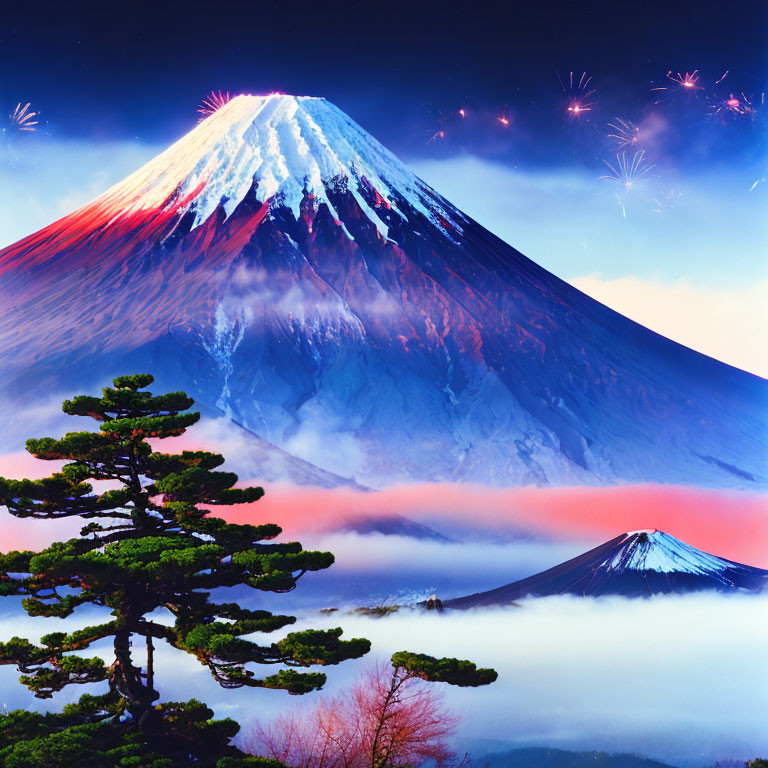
(214, 101)
(578, 94)
(625, 133)
(625, 172)
(734, 106)
(23, 118)
(688, 83)
(627, 169)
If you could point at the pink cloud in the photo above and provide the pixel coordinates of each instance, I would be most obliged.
(26, 533)
(726, 523)
(23, 464)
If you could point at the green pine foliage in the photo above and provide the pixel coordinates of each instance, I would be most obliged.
(459, 672)
(88, 733)
(149, 542)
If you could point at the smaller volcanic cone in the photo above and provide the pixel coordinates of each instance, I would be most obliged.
(635, 564)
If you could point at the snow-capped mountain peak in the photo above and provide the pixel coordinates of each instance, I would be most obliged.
(635, 564)
(654, 550)
(286, 269)
(292, 147)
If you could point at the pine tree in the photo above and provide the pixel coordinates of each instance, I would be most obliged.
(149, 543)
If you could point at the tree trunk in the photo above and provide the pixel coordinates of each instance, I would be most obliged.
(150, 662)
(127, 679)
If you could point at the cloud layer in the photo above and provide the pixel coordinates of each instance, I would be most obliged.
(661, 677)
(682, 679)
(45, 178)
(730, 524)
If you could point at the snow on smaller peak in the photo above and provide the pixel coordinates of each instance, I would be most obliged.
(653, 550)
(290, 146)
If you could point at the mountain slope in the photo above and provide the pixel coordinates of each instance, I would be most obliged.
(275, 465)
(635, 564)
(283, 266)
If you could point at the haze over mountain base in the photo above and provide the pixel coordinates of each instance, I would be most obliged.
(657, 677)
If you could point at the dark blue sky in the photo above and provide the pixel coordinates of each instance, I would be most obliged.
(105, 70)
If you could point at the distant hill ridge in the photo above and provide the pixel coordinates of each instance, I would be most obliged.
(546, 757)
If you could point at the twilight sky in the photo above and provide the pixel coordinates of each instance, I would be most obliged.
(683, 251)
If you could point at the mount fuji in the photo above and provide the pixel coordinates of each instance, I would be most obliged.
(293, 275)
(635, 564)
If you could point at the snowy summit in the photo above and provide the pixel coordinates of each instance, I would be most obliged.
(291, 146)
(654, 550)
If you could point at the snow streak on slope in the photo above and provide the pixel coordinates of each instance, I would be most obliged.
(654, 550)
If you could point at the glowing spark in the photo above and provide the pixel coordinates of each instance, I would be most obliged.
(504, 121)
(438, 129)
(22, 118)
(717, 82)
(757, 181)
(462, 113)
(576, 108)
(626, 133)
(214, 101)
